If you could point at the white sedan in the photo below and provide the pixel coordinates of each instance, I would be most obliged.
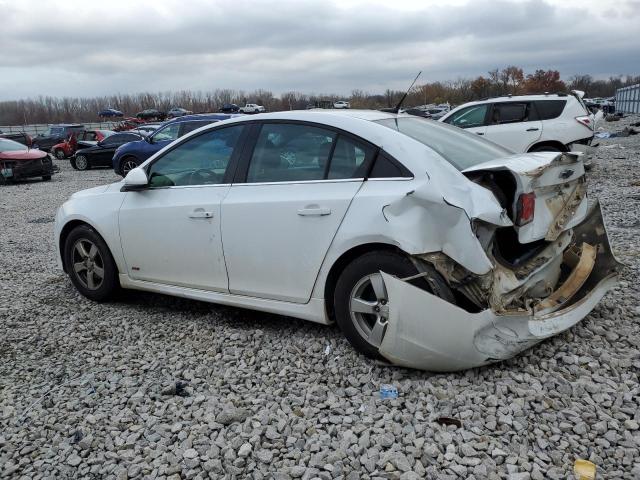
(430, 247)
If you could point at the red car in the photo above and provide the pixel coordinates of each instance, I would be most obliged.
(18, 161)
(85, 139)
(128, 123)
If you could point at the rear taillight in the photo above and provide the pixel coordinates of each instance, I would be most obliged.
(586, 121)
(526, 208)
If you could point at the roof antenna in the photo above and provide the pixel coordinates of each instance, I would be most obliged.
(397, 109)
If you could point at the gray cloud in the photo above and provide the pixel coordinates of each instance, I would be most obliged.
(84, 48)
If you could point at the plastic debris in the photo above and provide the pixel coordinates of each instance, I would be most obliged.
(388, 392)
(604, 135)
(449, 421)
(584, 469)
(327, 350)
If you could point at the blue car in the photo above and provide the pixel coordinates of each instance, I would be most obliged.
(132, 154)
(110, 112)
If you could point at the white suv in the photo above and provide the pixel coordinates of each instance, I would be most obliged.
(556, 122)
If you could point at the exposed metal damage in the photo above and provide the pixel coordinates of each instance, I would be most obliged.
(515, 284)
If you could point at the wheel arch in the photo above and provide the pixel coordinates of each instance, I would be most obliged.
(340, 264)
(66, 230)
(549, 143)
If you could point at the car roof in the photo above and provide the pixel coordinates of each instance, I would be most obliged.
(203, 117)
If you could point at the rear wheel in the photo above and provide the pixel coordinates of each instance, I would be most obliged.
(361, 301)
(89, 263)
(546, 148)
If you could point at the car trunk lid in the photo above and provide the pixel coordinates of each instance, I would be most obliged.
(549, 195)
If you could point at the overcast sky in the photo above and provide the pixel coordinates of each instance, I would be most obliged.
(86, 48)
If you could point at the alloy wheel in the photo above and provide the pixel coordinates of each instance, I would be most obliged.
(88, 264)
(127, 166)
(369, 308)
(81, 162)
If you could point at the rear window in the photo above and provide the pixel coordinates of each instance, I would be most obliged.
(549, 109)
(461, 149)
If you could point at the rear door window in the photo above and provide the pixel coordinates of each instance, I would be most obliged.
(350, 159)
(469, 117)
(509, 113)
(290, 153)
(549, 109)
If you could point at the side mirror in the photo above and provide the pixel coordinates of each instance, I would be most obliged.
(136, 179)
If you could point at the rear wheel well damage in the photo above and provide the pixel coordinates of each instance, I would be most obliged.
(540, 146)
(340, 264)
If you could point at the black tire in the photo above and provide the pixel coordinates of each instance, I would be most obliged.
(104, 288)
(46, 178)
(126, 163)
(357, 271)
(59, 154)
(546, 148)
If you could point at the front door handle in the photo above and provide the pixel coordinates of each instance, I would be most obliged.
(479, 133)
(200, 213)
(533, 129)
(314, 210)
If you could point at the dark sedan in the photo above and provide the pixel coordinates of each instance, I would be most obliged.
(100, 155)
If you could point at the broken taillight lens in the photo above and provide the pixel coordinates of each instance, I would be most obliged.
(525, 209)
(586, 121)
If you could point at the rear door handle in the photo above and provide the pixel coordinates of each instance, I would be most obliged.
(314, 210)
(200, 213)
(534, 129)
(479, 133)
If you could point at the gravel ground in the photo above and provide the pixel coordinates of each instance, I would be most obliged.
(158, 387)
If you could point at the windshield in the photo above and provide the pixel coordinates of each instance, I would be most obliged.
(170, 132)
(7, 145)
(461, 149)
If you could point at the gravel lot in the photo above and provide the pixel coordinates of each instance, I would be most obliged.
(89, 390)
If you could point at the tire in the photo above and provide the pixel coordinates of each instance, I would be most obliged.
(46, 178)
(59, 154)
(365, 330)
(92, 271)
(127, 164)
(80, 162)
(546, 148)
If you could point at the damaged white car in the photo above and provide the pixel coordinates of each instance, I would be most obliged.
(430, 247)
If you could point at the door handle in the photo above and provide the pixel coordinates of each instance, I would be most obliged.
(479, 133)
(314, 210)
(533, 129)
(200, 213)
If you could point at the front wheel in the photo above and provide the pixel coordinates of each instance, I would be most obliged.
(90, 265)
(59, 153)
(361, 302)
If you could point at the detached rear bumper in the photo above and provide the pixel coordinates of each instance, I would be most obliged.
(428, 333)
